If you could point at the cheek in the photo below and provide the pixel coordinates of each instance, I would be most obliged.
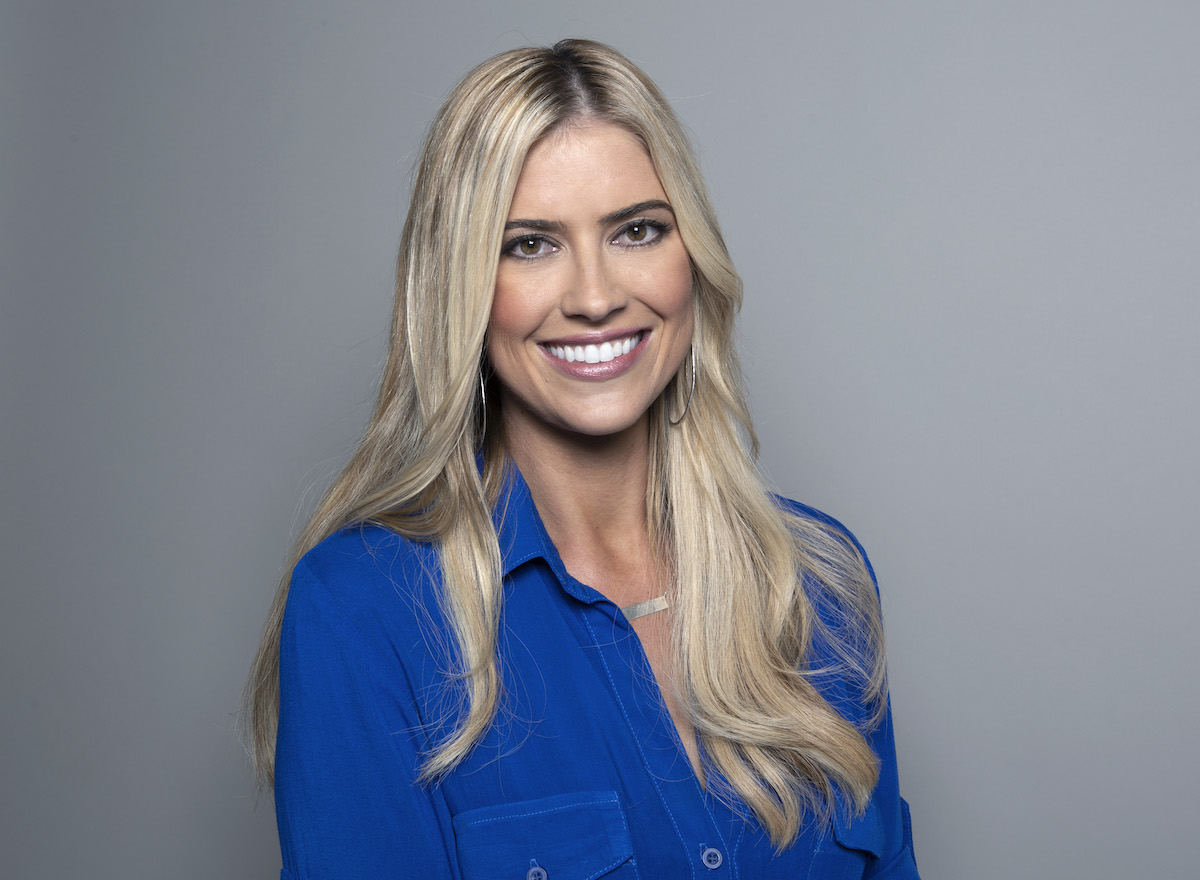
(677, 292)
(505, 307)
(518, 310)
(512, 311)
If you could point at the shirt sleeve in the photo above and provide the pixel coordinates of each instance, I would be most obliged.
(896, 858)
(897, 861)
(349, 747)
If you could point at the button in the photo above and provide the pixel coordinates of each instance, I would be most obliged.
(712, 858)
(538, 873)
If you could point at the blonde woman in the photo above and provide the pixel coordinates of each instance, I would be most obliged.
(549, 623)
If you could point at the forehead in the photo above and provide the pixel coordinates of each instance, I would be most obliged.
(581, 166)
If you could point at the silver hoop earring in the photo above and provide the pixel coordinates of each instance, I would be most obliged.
(691, 390)
(482, 408)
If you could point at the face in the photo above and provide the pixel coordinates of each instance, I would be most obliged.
(592, 313)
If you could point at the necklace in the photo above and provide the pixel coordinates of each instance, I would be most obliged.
(641, 609)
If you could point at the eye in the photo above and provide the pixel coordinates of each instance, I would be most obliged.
(528, 247)
(641, 232)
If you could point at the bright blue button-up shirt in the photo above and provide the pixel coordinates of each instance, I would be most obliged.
(581, 775)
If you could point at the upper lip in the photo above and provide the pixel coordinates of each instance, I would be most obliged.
(594, 337)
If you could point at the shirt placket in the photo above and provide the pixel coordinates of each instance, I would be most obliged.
(708, 852)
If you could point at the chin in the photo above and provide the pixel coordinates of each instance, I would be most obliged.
(604, 424)
(601, 427)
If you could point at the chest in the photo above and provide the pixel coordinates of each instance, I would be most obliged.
(583, 773)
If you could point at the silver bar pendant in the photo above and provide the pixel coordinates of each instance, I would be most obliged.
(641, 609)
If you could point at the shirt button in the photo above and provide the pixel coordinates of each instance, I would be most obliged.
(536, 873)
(712, 858)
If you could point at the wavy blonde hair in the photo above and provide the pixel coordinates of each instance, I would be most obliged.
(748, 573)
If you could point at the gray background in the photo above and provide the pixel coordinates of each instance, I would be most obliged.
(970, 234)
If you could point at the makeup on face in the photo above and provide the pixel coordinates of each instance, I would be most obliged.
(592, 313)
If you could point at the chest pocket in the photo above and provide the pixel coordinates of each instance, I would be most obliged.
(845, 853)
(576, 836)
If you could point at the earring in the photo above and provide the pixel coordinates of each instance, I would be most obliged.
(482, 408)
(691, 390)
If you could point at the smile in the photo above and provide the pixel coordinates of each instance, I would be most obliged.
(595, 354)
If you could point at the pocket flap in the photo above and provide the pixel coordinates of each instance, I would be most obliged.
(864, 833)
(575, 836)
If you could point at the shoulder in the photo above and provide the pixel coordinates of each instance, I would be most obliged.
(805, 511)
(369, 553)
(824, 523)
(845, 660)
(368, 577)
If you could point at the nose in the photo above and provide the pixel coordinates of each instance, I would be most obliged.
(594, 291)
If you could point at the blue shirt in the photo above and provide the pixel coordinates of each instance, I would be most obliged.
(581, 775)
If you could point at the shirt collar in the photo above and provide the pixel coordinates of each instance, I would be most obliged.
(523, 536)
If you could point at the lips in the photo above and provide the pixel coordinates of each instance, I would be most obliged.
(593, 353)
(596, 358)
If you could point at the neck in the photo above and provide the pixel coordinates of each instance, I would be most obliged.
(591, 495)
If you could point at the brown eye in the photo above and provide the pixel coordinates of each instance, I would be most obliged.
(529, 246)
(640, 233)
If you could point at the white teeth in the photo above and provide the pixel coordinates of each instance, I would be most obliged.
(595, 354)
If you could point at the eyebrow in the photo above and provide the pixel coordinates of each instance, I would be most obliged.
(613, 217)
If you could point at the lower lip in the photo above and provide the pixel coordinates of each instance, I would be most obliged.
(599, 372)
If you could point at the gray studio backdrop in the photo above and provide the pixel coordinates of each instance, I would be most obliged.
(969, 234)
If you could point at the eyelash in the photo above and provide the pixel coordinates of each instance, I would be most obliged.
(659, 228)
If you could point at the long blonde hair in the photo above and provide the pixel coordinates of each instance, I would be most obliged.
(748, 573)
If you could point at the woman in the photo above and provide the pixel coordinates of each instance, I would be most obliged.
(549, 622)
